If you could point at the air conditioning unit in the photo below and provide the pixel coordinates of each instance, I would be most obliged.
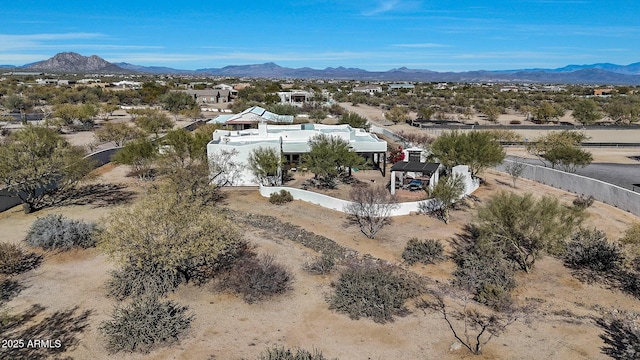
(225, 140)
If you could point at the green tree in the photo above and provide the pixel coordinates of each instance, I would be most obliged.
(177, 101)
(477, 149)
(71, 115)
(164, 232)
(265, 164)
(327, 156)
(426, 112)
(154, 122)
(445, 193)
(547, 111)
(354, 120)
(523, 227)
(515, 169)
(117, 133)
(561, 148)
(34, 158)
(397, 114)
(138, 154)
(586, 111)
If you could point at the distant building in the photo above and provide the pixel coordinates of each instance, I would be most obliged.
(368, 89)
(250, 118)
(210, 96)
(401, 86)
(295, 97)
(602, 92)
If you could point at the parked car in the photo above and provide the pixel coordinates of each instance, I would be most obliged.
(415, 185)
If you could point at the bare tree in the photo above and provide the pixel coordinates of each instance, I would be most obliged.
(471, 325)
(224, 170)
(370, 208)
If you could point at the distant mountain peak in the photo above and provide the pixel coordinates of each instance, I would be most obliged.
(74, 62)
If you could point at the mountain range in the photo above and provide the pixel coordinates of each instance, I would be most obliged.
(602, 73)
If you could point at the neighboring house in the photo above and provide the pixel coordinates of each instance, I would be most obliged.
(401, 86)
(602, 92)
(295, 97)
(368, 89)
(291, 142)
(251, 117)
(414, 166)
(210, 96)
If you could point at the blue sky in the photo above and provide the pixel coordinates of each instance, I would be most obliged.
(443, 35)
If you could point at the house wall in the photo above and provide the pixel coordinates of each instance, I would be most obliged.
(246, 177)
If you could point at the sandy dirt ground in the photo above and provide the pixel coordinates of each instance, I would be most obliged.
(225, 327)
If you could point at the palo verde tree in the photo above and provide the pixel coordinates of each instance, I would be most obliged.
(444, 194)
(561, 149)
(164, 233)
(265, 164)
(354, 120)
(177, 101)
(370, 208)
(477, 149)
(586, 111)
(117, 133)
(523, 227)
(328, 155)
(36, 161)
(184, 165)
(153, 122)
(139, 154)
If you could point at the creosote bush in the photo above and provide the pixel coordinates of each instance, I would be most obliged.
(583, 202)
(372, 290)
(425, 251)
(136, 281)
(145, 324)
(279, 198)
(55, 231)
(257, 278)
(320, 265)
(14, 259)
(280, 353)
(590, 249)
(484, 273)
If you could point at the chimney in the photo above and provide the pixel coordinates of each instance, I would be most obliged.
(262, 129)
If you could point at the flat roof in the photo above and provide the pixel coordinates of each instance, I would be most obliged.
(415, 166)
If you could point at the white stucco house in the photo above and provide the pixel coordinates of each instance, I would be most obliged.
(291, 141)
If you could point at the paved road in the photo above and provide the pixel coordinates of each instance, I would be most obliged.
(623, 175)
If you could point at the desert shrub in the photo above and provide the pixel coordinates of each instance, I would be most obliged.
(631, 235)
(133, 280)
(280, 353)
(630, 282)
(583, 202)
(279, 198)
(372, 290)
(484, 273)
(145, 324)
(320, 265)
(14, 259)
(590, 249)
(427, 252)
(257, 278)
(54, 231)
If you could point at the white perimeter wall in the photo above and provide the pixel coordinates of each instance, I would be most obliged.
(617, 196)
(329, 202)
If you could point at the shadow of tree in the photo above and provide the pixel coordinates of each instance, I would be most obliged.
(9, 289)
(46, 338)
(621, 337)
(98, 195)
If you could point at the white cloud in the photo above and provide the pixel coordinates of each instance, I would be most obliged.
(383, 7)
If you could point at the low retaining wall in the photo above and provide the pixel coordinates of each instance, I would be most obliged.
(332, 203)
(602, 191)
